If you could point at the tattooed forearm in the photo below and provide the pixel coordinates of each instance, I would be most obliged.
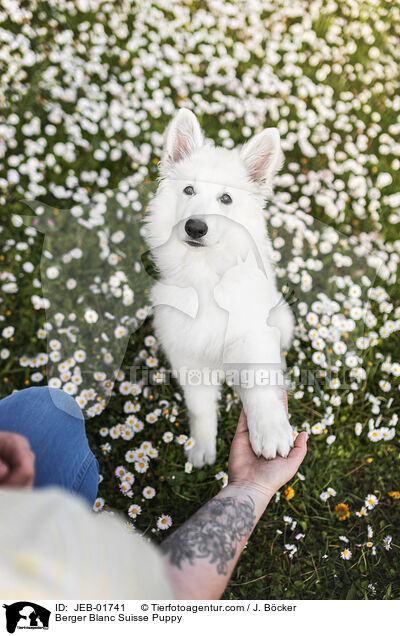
(212, 533)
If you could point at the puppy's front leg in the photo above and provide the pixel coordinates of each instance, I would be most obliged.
(269, 430)
(201, 401)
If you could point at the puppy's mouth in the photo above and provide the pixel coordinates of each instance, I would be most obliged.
(194, 243)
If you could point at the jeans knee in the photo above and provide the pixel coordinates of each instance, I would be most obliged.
(44, 396)
(65, 403)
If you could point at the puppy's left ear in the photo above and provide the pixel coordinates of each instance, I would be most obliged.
(183, 136)
(263, 157)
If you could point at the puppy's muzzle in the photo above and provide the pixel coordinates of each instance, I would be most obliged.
(195, 229)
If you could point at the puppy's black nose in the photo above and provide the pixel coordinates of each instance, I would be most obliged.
(195, 228)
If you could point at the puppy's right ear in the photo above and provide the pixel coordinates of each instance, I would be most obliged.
(183, 136)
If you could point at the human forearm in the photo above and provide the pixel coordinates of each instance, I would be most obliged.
(201, 555)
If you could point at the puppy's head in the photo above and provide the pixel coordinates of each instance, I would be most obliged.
(210, 199)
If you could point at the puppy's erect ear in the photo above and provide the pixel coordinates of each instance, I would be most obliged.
(263, 157)
(183, 136)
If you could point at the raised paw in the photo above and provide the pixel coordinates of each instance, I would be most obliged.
(269, 429)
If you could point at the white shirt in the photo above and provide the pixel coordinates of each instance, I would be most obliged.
(52, 546)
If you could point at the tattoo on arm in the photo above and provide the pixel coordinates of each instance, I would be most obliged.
(212, 533)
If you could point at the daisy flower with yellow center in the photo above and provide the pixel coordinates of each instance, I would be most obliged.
(130, 456)
(98, 504)
(346, 554)
(134, 510)
(148, 492)
(141, 466)
(371, 501)
(189, 443)
(164, 522)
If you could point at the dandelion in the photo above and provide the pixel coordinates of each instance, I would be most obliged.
(289, 493)
(395, 494)
(342, 511)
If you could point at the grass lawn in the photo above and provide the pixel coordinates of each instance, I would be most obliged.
(86, 91)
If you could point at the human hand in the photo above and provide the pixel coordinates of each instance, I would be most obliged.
(17, 461)
(267, 476)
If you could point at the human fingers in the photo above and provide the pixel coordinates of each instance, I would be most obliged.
(18, 459)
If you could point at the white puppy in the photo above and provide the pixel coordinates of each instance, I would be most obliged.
(207, 234)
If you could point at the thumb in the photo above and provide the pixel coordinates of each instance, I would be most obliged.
(3, 469)
(242, 423)
(299, 450)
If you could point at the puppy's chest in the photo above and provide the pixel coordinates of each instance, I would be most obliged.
(199, 337)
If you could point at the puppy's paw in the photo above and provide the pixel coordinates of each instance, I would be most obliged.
(201, 454)
(269, 429)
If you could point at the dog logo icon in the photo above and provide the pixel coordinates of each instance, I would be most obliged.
(26, 615)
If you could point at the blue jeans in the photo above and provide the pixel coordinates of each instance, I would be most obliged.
(54, 425)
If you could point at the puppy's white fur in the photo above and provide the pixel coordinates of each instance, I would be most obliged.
(234, 231)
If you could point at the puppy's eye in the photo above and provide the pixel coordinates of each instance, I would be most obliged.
(225, 198)
(189, 190)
